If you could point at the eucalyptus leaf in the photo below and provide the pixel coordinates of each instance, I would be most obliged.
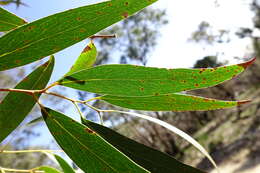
(85, 147)
(170, 102)
(16, 106)
(131, 80)
(9, 21)
(151, 159)
(51, 34)
(64, 165)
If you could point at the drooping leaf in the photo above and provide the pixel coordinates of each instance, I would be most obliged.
(51, 34)
(15, 106)
(85, 147)
(9, 21)
(86, 59)
(47, 169)
(130, 80)
(170, 102)
(151, 159)
(64, 165)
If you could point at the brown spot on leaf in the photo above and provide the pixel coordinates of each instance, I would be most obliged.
(126, 3)
(142, 89)
(156, 94)
(78, 18)
(125, 14)
(17, 61)
(88, 130)
(87, 48)
(110, 4)
(196, 85)
(82, 30)
(31, 27)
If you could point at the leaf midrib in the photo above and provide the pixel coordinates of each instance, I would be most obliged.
(57, 122)
(56, 34)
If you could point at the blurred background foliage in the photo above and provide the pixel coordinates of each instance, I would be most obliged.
(231, 136)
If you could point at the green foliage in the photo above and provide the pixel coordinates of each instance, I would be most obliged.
(51, 34)
(150, 159)
(130, 80)
(87, 149)
(9, 21)
(16, 105)
(64, 165)
(169, 102)
(95, 148)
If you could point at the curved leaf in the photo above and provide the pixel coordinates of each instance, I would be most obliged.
(15, 106)
(170, 102)
(130, 80)
(151, 159)
(9, 21)
(51, 34)
(64, 165)
(86, 59)
(47, 169)
(86, 148)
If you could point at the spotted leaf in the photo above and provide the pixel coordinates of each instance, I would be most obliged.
(130, 80)
(51, 34)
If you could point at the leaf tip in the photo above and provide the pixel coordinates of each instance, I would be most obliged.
(247, 63)
(243, 102)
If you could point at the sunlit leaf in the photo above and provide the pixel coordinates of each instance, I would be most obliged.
(170, 102)
(130, 80)
(47, 169)
(86, 59)
(9, 21)
(51, 34)
(151, 159)
(85, 147)
(15, 106)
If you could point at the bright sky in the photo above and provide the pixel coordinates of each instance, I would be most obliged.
(172, 50)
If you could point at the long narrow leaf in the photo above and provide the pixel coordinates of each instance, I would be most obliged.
(16, 106)
(151, 159)
(51, 34)
(9, 21)
(170, 102)
(85, 147)
(130, 80)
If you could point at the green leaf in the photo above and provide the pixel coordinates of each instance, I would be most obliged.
(51, 34)
(9, 21)
(86, 59)
(15, 106)
(130, 80)
(170, 102)
(64, 165)
(86, 148)
(151, 159)
(47, 169)
(35, 121)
